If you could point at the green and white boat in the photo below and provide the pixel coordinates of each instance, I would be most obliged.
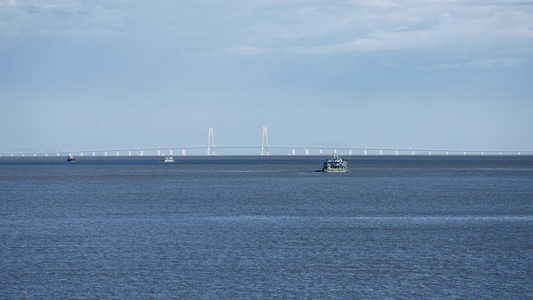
(335, 165)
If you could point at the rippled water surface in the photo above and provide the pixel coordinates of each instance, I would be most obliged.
(266, 227)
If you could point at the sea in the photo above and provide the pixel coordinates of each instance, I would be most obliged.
(266, 227)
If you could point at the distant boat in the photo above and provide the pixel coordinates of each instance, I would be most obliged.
(335, 165)
(168, 159)
(70, 157)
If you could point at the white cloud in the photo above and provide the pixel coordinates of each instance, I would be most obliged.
(325, 27)
(56, 18)
(479, 63)
(377, 41)
(381, 4)
(293, 26)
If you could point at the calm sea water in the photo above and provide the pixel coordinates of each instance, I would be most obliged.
(266, 227)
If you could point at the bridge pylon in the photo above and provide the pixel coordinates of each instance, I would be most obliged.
(211, 142)
(264, 142)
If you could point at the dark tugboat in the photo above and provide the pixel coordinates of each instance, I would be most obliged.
(70, 157)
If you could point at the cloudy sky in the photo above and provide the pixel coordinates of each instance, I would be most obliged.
(377, 73)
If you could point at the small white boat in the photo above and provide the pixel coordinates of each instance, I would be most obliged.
(168, 159)
(71, 157)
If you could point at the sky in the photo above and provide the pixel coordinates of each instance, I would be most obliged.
(97, 74)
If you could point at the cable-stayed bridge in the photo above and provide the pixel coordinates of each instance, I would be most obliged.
(263, 149)
(258, 150)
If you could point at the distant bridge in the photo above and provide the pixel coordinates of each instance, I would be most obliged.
(263, 149)
(260, 150)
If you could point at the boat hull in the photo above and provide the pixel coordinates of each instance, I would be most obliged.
(335, 170)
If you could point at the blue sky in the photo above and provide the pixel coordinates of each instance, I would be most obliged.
(383, 73)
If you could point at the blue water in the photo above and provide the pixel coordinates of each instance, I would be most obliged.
(266, 227)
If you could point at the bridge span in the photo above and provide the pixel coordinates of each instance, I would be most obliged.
(262, 150)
